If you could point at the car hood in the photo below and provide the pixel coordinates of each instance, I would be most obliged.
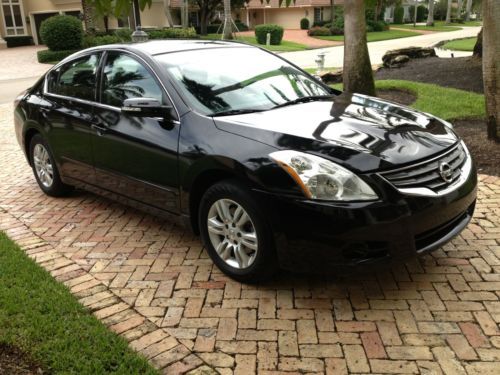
(360, 132)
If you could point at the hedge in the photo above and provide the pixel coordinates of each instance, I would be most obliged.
(18, 41)
(93, 41)
(172, 33)
(276, 32)
(48, 56)
(62, 33)
(319, 31)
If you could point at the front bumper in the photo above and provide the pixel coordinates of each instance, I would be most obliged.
(327, 236)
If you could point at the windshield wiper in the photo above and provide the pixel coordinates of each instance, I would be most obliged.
(304, 99)
(237, 112)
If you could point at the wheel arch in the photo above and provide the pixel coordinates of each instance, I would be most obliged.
(28, 136)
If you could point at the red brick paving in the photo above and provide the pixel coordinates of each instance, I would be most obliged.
(152, 283)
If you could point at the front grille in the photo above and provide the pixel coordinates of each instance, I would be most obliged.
(427, 174)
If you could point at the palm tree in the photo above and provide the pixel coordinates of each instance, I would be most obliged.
(460, 4)
(491, 66)
(227, 31)
(430, 15)
(467, 10)
(87, 16)
(358, 74)
(448, 12)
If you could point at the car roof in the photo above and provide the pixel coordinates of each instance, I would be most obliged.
(159, 47)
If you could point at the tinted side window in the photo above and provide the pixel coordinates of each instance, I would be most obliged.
(76, 78)
(125, 78)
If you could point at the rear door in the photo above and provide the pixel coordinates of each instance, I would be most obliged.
(134, 156)
(67, 113)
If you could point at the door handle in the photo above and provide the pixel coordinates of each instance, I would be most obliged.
(99, 129)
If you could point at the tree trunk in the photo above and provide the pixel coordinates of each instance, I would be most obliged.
(203, 20)
(448, 12)
(137, 13)
(184, 15)
(168, 14)
(491, 66)
(430, 15)
(332, 11)
(227, 31)
(415, 13)
(87, 16)
(358, 74)
(378, 8)
(467, 10)
(460, 4)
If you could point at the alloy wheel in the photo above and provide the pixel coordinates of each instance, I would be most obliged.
(43, 165)
(232, 233)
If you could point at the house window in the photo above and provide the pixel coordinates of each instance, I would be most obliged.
(318, 14)
(13, 17)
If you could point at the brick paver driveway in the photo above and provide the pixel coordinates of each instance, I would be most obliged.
(152, 283)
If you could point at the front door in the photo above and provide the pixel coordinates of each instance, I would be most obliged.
(134, 156)
(39, 18)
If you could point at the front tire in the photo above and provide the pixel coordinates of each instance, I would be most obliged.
(235, 232)
(45, 169)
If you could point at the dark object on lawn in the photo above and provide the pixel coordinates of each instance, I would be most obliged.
(478, 47)
(332, 77)
(411, 52)
(14, 362)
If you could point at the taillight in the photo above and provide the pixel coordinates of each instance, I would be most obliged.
(20, 97)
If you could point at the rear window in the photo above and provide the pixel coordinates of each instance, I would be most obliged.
(75, 79)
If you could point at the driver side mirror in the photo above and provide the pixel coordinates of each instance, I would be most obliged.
(146, 107)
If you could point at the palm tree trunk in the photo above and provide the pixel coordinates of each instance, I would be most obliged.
(168, 14)
(448, 12)
(430, 15)
(358, 74)
(332, 11)
(227, 31)
(467, 10)
(87, 16)
(491, 66)
(460, 4)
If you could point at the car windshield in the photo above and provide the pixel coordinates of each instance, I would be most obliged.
(237, 80)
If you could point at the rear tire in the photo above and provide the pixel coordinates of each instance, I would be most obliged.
(236, 233)
(45, 169)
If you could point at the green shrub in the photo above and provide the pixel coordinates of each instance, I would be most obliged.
(399, 13)
(421, 13)
(48, 56)
(304, 23)
(319, 31)
(319, 23)
(336, 31)
(62, 33)
(172, 33)
(93, 41)
(241, 26)
(276, 32)
(376, 25)
(125, 35)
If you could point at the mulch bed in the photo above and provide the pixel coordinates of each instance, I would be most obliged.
(464, 73)
(14, 362)
(404, 97)
(486, 153)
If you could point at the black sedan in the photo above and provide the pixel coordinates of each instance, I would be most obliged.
(272, 167)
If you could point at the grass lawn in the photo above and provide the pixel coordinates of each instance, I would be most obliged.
(285, 45)
(437, 27)
(375, 36)
(468, 23)
(443, 102)
(466, 44)
(41, 317)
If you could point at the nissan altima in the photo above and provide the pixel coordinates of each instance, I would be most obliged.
(269, 165)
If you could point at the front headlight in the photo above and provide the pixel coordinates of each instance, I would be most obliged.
(322, 179)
